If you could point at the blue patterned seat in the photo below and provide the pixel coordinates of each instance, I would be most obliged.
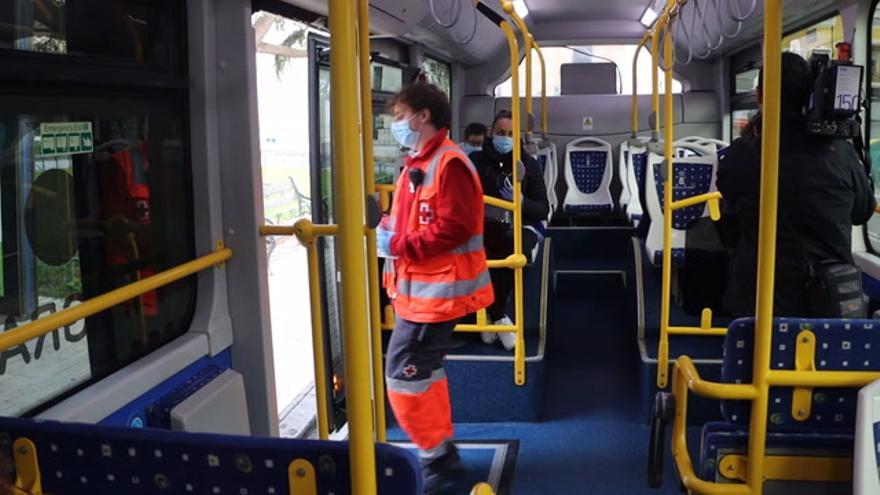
(78, 458)
(840, 345)
(588, 176)
(692, 176)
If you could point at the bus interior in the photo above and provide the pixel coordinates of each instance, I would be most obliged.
(190, 286)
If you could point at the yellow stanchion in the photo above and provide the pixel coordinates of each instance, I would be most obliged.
(369, 187)
(634, 103)
(669, 122)
(544, 112)
(772, 91)
(344, 89)
(519, 372)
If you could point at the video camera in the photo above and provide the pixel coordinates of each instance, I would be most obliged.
(836, 100)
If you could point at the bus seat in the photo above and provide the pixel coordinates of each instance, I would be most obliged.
(866, 461)
(81, 458)
(637, 157)
(693, 176)
(588, 172)
(830, 423)
(549, 165)
(622, 164)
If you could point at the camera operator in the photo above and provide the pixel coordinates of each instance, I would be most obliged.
(823, 191)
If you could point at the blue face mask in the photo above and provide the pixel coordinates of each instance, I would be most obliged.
(469, 148)
(404, 135)
(502, 144)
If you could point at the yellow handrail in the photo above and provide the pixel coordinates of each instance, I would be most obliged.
(519, 366)
(527, 48)
(666, 281)
(772, 91)
(544, 118)
(655, 80)
(369, 187)
(43, 326)
(350, 202)
(635, 84)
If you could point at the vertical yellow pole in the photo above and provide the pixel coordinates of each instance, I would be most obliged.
(527, 40)
(370, 188)
(772, 91)
(350, 208)
(519, 313)
(655, 80)
(669, 122)
(635, 84)
(321, 396)
(544, 118)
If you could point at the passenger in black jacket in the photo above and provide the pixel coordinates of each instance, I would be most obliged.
(823, 191)
(494, 164)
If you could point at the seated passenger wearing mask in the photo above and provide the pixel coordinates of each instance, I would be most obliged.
(474, 137)
(495, 166)
(823, 191)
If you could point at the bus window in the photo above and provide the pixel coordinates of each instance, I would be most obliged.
(439, 74)
(109, 29)
(821, 36)
(95, 188)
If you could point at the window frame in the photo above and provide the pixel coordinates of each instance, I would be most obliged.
(867, 122)
(66, 77)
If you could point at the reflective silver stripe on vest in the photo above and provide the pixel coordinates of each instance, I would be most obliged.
(431, 172)
(416, 386)
(473, 245)
(443, 290)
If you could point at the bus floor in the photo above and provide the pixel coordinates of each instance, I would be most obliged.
(593, 439)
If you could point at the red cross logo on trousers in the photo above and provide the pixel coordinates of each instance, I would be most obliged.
(410, 371)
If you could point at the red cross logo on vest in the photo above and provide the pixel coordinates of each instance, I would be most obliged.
(426, 215)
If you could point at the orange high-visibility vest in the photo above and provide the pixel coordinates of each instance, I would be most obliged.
(450, 285)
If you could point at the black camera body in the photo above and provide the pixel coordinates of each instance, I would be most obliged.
(836, 100)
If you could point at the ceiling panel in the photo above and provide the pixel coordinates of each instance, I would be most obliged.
(588, 10)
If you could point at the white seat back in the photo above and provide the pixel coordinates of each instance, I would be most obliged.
(547, 160)
(692, 176)
(588, 169)
(636, 164)
(866, 459)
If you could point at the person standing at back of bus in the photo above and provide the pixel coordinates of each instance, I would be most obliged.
(823, 191)
(495, 166)
(435, 235)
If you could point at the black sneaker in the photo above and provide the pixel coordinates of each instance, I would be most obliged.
(441, 473)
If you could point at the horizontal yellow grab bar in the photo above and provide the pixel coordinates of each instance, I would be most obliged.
(499, 203)
(695, 200)
(42, 326)
(716, 331)
(512, 261)
(712, 390)
(848, 379)
(469, 327)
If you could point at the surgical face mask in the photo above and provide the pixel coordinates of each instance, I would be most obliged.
(503, 144)
(470, 148)
(404, 134)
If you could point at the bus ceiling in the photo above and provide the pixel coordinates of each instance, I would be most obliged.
(455, 31)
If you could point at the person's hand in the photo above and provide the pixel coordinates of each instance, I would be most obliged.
(506, 192)
(383, 241)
